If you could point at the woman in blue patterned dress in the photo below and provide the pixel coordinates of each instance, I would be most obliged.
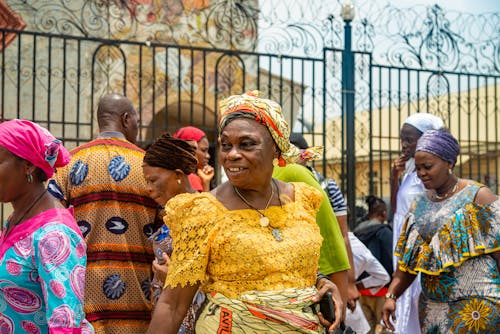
(42, 251)
(451, 236)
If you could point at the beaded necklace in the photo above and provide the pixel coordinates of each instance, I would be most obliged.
(438, 197)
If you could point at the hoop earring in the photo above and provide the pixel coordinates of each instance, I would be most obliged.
(30, 178)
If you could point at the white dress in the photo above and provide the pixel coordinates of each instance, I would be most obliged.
(407, 304)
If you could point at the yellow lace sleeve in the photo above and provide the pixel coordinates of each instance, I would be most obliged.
(309, 196)
(190, 218)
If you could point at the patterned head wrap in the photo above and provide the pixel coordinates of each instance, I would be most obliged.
(266, 112)
(189, 133)
(424, 122)
(440, 143)
(35, 144)
(171, 153)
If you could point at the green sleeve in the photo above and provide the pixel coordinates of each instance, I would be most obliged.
(333, 255)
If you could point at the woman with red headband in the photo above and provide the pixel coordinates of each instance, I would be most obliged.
(204, 172)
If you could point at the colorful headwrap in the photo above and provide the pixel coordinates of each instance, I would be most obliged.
(266, 112)
(35, 144)
(189, 133)
(424, 122)
(440, 143)
(306, 153)
(171, 153)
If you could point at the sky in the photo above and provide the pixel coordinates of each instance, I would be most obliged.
(467, 6)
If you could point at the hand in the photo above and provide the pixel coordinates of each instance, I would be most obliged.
(327, 285)
(389, 311)
(161, 270)
(206, 173)
(398, 166)
(352, 296)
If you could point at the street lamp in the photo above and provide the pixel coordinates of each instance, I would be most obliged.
(347, 10)
(348, 103)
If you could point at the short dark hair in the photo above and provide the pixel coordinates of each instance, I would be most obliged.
(376, 205)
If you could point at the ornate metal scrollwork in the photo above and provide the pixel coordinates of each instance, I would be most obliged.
(417, 37)
(442, 40)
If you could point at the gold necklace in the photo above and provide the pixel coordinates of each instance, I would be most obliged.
(448, 193)
(264, 221)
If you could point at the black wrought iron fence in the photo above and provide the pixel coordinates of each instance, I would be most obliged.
(57, 80)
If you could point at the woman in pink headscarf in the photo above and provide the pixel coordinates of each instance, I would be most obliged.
(204, 172)
(42, 251)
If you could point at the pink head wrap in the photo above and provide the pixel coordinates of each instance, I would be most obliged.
(189, 133)
(35, 144)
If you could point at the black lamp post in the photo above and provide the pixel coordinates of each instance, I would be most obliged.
(348, 94)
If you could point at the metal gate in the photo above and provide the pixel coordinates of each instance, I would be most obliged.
(342, 99)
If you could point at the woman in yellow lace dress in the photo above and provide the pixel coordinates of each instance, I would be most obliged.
(252, 244)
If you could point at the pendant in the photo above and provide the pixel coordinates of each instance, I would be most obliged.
(264, 221)
(277, 235)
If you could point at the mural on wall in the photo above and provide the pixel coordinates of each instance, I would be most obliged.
(10, 20)
(136, 44)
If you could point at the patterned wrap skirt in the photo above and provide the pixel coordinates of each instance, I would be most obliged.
(285, 311)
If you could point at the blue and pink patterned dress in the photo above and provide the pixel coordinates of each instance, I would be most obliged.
(42, 276)
(450, 243)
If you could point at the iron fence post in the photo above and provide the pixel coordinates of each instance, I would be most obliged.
(348, 111)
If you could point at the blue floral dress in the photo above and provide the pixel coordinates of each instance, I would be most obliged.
(42, 276)
(449, 242)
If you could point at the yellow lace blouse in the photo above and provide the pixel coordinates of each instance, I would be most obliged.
(229, 252)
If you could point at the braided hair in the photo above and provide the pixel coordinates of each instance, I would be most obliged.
(171, 153)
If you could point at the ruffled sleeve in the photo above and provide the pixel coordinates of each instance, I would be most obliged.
(309, 196)
(473, 230)
(191, 219)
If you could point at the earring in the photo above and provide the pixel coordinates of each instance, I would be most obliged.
(449, 171)
(275, 162)
(30, 178)
(179, 181)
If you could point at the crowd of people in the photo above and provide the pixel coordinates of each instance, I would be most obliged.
(109, 238)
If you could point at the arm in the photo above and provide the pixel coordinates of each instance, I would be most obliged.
(378, 276)
(161, 270)
(352, 291)
(324, 284)
(496, 256)
(206, 174)
(60, 293)
(485, 196)
(340, 209)
(400, 283)
(171, 309)
(398, 167)
(340, 280)
(364, 261)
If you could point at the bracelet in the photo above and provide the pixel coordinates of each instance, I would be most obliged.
(389, 295)
(319, 277)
